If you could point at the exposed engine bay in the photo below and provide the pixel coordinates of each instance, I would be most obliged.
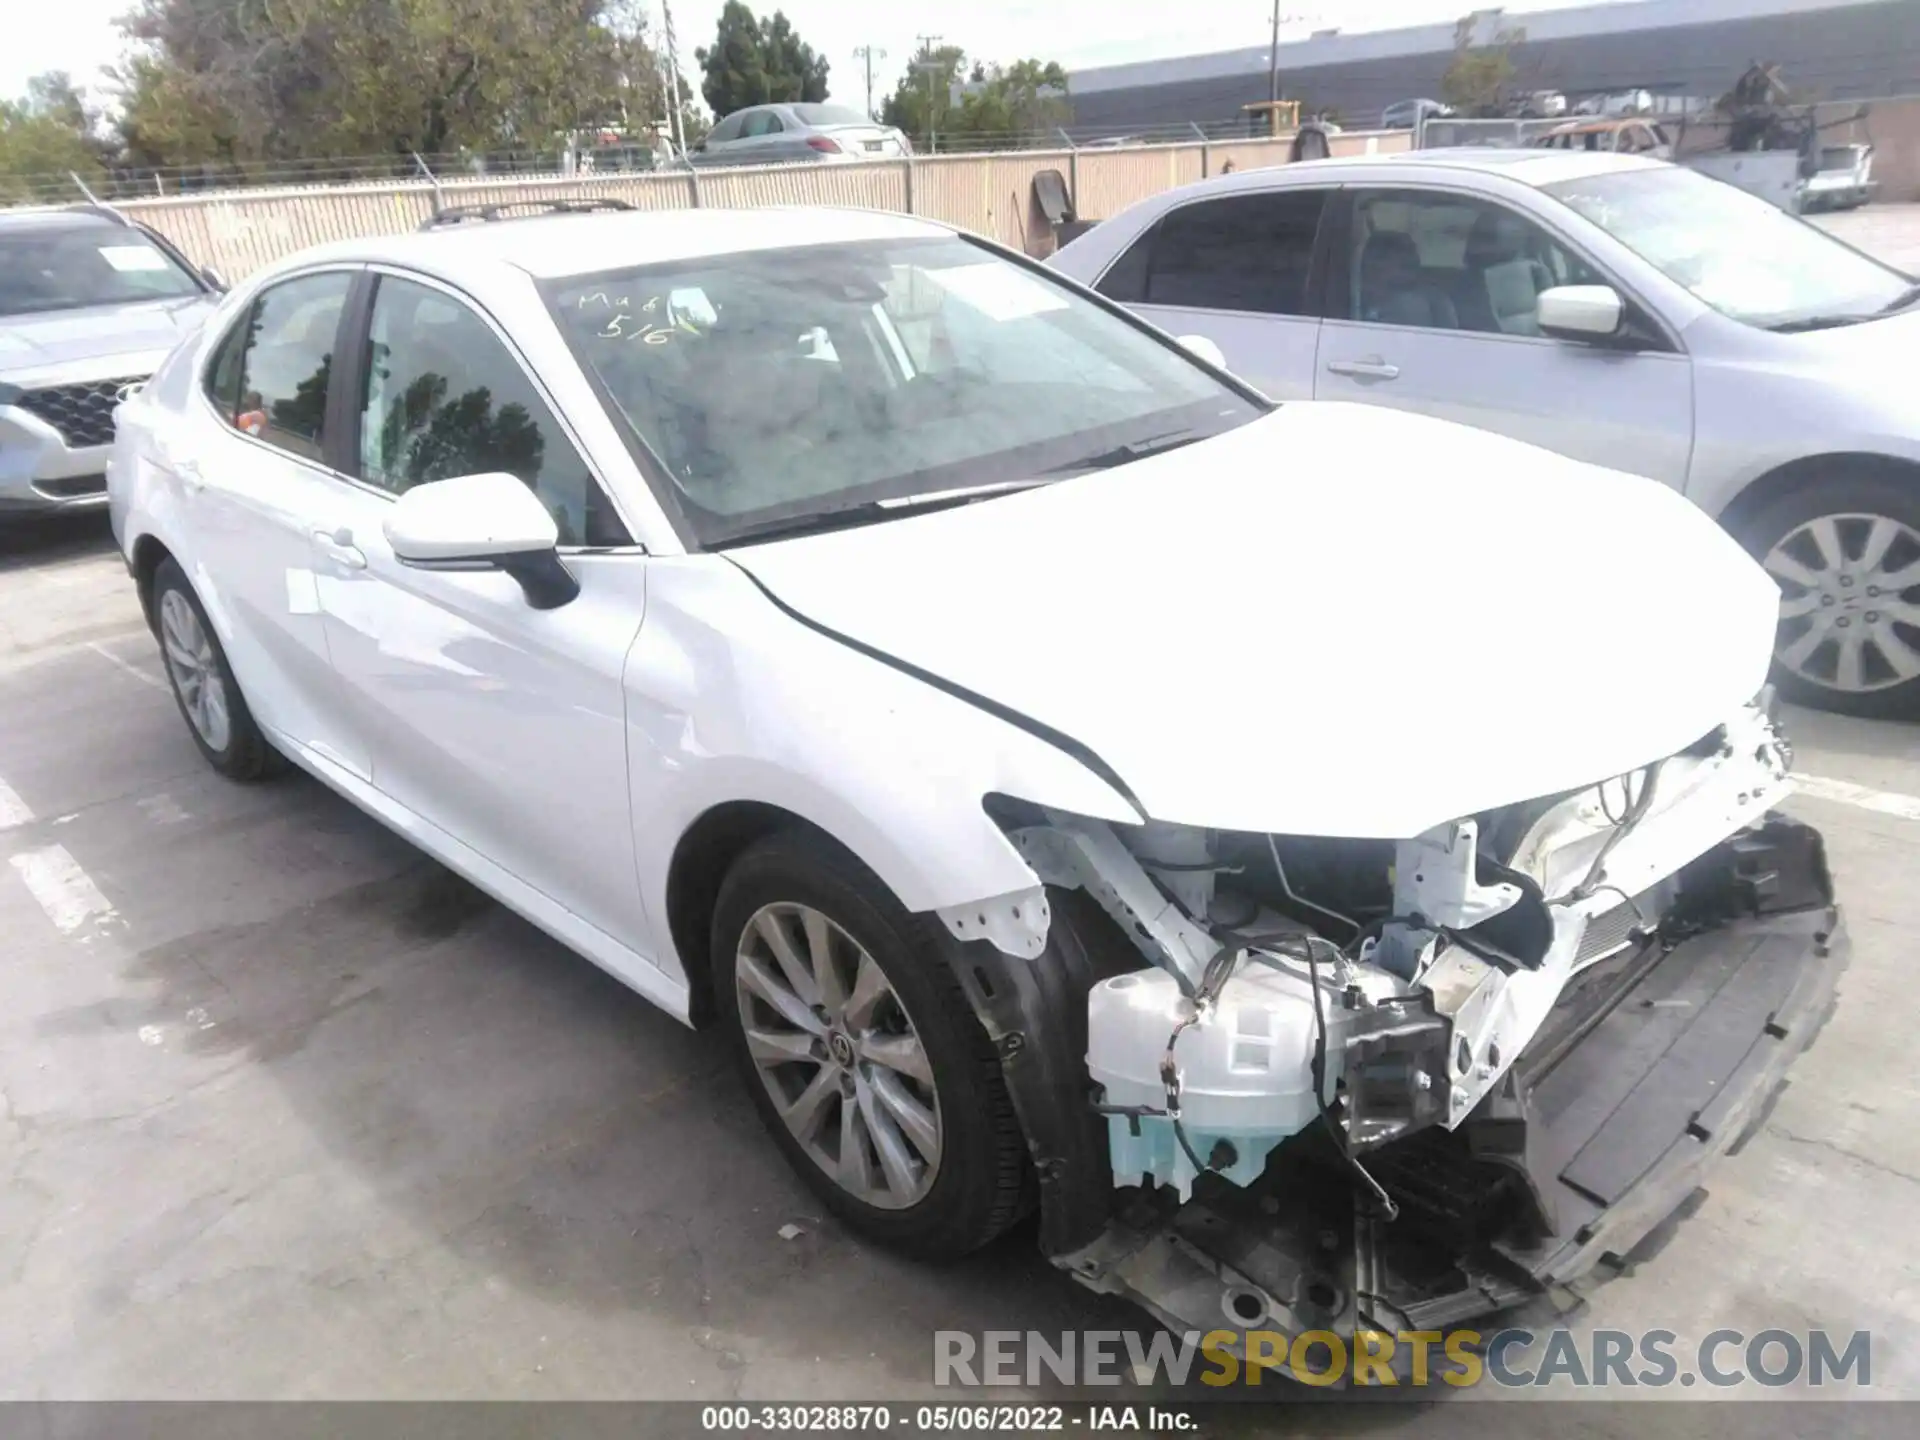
(1395, 1083)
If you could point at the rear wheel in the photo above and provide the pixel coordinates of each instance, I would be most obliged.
(1845, 552)
(861, 1052)
(203, 686)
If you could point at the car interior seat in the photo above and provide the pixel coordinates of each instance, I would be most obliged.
(1394, 290)
(1502, 279)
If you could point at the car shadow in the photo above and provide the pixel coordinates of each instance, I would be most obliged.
(1828, 733)
(529, 1123)
(27, 540)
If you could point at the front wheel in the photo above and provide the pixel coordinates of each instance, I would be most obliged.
(1845, 552)
(861, 1052)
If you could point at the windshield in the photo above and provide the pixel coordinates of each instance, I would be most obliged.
(1739, 254)
(830, 115)
(786, 384)
(66, 269)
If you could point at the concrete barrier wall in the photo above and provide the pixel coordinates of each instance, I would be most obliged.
(239, 231)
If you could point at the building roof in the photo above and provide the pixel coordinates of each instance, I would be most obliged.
(1339, 47)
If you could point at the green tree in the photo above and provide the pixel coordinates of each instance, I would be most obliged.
(252, 80)
(1476, 80)
(1012, 102)
(758, 62)
(920, 101)
(44, 136)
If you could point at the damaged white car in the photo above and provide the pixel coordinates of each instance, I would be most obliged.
(1290, 846)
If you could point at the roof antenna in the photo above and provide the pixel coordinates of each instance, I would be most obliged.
(432, 179)
(95, 201)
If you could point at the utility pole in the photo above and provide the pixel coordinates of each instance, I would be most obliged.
(676, 127)
(1273, 54)
(1273, 58)
(930, 67)
(869, 54)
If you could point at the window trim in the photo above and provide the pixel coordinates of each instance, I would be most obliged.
(323, 466)
(1665, 340)
(361, 332)
(1313, 300)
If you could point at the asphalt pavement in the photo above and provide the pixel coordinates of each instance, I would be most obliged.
(288, 1111)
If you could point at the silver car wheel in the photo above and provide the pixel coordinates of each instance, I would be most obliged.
(1849, 601)
(194, 671)
(839, 1055)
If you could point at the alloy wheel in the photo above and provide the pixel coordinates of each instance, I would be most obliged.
(1849, 601)
(194, 670)
(839, 1055)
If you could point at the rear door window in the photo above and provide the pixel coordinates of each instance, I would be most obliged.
(1249, 253)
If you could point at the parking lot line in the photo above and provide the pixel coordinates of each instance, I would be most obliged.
(13, 810)
(127, 665)
(1861, 797)
(65, 891)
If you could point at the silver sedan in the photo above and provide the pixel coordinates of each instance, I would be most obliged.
(783, 134)
(1614, 308)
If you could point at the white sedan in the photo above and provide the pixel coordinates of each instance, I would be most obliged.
(1067, 777)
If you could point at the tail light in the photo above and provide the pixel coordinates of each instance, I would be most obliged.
(824, 145)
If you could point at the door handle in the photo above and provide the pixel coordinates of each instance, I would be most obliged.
(338, 547)
(191, 480)
(1371, 368)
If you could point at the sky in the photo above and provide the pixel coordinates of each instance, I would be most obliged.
(80, 35)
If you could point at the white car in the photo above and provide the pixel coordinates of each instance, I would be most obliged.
(1609, 306)
(1065, 776)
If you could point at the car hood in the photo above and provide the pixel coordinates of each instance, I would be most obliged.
(1873, 351)
(37, 346)
(1337, 620)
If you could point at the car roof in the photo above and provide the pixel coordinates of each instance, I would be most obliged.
(552, 247)
(1528, 166)
(68, 217)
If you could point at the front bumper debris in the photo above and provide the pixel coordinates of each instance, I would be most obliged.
(1652, 1066)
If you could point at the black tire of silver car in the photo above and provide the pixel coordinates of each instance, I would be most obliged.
(1845, 552)
(203, 685)
(874, 1077)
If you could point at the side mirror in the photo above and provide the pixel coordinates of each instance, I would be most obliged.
(1581, 312)
(1201, 348)
(482, 522)
(214, 279)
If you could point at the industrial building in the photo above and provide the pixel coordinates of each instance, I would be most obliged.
(1830, 49)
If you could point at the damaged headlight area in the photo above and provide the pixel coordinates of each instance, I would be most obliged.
(1425, 1077)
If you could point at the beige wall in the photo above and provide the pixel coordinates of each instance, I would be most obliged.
(240, 231)
(1894, 128)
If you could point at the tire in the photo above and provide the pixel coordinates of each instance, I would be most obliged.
(1868, 519)
(981, 1181)
(234, 746)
